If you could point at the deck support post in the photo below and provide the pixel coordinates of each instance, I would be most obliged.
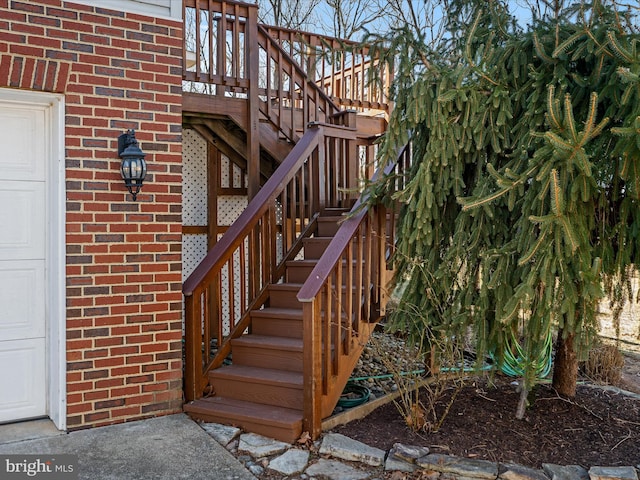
(253, 139)
(253, 105)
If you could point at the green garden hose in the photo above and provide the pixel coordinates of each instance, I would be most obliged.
(515, 363)
(353, 395)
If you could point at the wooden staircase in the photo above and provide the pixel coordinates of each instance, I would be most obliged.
(279, 310)
(262, 389)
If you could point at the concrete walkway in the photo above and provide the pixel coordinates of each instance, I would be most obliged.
(171, 447)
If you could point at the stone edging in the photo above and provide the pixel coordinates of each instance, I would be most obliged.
(465, 468)
(260, 454)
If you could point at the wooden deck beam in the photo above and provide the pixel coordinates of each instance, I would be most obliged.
(214, 106)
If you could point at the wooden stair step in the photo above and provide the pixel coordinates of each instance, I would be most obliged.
(284, 424)
(335, 211)
(314, 247)
(278, 312)
(284, 295)
(299, 270)
(267, 341)
(277, 321)
(259, 375)
(329, 225)
(260, 385)
(267, 351)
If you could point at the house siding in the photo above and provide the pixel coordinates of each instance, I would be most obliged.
(117, 71)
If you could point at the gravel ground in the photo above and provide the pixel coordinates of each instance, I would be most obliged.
(383, 359)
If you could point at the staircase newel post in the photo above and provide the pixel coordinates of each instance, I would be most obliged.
(193, 354)
(312, 368)
(319, 172)
(315, 182)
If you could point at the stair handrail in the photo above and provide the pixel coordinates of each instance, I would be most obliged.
(260, 204)
(259, 215)
(365, 227)
(271, 230)
(317, 105)
(313, 285)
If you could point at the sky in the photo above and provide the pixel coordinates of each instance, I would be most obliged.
(321, 23)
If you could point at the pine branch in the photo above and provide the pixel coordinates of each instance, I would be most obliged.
(540, 49)
(558, 142)
(568, 43)
(568, 230)
(618, 48)
(568, 118)
(526, 258)
(557, 200)
(553, 110)
(590, 130)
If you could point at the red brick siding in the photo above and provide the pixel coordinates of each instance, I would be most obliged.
(117, 71)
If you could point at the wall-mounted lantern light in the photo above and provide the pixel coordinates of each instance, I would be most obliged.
(133, 167)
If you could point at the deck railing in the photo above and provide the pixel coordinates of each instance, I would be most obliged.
(225, 50)
(232, 279)
(343, 297)
(288, 97)
(346, 70)
(217, 43)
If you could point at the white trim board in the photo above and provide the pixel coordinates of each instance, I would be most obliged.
(153, 8)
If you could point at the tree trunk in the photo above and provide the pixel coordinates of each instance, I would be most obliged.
(565, 369)
(523, 403)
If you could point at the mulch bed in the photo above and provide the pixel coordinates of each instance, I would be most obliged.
(597, 427)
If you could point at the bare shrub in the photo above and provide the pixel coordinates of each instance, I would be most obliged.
(604, 364)
(418, 393)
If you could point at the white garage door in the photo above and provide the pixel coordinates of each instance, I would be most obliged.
(24, 156)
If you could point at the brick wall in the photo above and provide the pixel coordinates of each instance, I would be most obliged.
(117, 71)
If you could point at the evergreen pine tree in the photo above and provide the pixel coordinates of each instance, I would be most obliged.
(522, 206)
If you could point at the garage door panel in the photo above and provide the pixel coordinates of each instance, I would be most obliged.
(21, 291)
(25, 136)
(21, 157)
(23, 383)
(24, 210)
